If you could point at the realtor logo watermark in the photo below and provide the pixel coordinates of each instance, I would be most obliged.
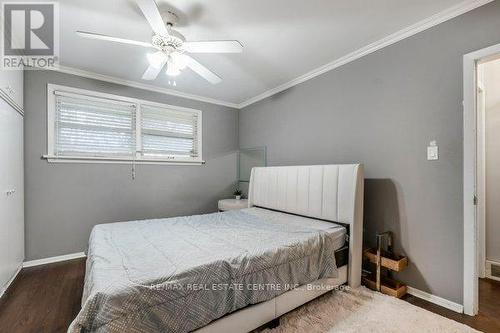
(30, 35)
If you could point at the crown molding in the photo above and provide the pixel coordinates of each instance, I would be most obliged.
(414, 29)
(8, 99)
(139, 85)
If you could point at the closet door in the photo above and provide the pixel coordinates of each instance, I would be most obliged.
(11, 193)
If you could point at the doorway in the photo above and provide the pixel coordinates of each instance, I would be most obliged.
(488, 173)
(476, 142)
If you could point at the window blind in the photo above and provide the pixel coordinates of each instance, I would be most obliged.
(94, 127)
(166, 132)
(86, 125)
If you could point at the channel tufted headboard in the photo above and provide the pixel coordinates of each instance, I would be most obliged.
(328, 192)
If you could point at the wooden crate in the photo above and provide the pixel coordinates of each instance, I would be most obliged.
(391, 261)
(387, 286)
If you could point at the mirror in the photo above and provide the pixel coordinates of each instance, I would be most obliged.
(248, 159)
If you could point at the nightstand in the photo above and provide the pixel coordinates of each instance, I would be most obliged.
(232, 204)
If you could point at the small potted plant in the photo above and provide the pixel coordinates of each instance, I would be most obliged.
(237, 194)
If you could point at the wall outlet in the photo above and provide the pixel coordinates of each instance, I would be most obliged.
(432, 151)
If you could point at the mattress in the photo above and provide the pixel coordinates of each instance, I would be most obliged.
(179, 274)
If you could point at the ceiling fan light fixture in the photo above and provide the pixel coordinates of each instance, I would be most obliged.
(156, 59)
(168, 43)
(171, 46)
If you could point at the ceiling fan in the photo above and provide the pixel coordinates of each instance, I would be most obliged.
(171, 45)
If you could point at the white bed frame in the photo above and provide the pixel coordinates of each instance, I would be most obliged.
(327, 192)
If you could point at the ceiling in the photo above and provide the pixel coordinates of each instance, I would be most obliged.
(283, 39)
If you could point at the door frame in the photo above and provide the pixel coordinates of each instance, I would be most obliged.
(470, 258)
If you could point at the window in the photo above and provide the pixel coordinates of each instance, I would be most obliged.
(86, 125)
(165, 132)
(93, 127)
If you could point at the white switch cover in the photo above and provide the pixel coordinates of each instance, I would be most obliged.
(432, 151)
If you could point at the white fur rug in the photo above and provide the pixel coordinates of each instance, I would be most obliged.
(362, 310)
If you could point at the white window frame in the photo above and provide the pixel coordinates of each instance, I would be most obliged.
(139, 159)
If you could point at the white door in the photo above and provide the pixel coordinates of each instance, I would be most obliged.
(11, 193)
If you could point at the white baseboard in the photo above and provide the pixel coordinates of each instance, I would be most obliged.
(51, 260)
(4, 289)
(492, 277)
(436, 299)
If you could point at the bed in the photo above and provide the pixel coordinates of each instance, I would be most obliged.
(232, 271)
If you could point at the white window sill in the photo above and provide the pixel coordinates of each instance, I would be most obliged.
(111, 160)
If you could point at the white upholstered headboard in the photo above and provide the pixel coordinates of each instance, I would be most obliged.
(328, 192)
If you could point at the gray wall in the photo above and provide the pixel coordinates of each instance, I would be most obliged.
(382, 110)
(64, 201)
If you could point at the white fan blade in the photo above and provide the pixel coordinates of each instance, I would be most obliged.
(152, 14)
(216, 46)
(154, 68)
(201, 70)
(151, 73)
(92, 35)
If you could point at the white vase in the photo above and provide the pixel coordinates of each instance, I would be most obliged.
(238, 197)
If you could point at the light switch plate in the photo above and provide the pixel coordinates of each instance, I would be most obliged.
(432, 153)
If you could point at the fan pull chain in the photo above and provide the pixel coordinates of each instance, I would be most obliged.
(133, 166)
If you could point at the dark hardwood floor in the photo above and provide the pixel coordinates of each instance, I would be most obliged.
(45, 299)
